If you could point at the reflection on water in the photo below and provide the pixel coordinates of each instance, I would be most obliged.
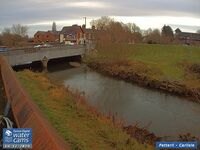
(165, 115)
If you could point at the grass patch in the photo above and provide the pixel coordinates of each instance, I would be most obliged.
(81, 126)
(162, 61)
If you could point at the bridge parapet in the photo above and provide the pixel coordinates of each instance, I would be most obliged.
(27, 56)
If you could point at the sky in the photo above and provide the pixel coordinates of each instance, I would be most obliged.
(40, 14)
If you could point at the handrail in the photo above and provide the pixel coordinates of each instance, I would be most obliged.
(27, 114)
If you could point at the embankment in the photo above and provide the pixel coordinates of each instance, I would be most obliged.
(120, 72)
(81, 125)
(78, 123)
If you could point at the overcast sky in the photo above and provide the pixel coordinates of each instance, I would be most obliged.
(39, 14)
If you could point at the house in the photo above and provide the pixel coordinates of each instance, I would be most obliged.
(187, 38)
(46, 37)
(72, 35)
(89, 34)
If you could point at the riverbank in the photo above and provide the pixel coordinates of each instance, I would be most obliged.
(169, 68)
(79, 124)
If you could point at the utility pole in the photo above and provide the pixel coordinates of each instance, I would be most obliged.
(85, 21)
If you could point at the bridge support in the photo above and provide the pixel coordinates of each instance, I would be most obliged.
(45, 63)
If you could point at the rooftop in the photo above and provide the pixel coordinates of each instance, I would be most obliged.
(71, 29)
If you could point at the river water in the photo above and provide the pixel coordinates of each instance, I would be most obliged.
(161, 113)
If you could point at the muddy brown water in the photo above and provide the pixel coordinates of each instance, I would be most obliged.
(161, 113)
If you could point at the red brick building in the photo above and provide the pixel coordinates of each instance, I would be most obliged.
(46, 37)
(187, 38)
(72, 35)
(89, 34)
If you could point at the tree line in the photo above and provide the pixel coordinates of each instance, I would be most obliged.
(15, 36)
(109, 30)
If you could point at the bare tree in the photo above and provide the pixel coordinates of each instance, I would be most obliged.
(103, 23)
(133, 27)
(15, 36)
(136, 33)
(147, 32)
(19, 30)
(153, 37)
(118, 32)
(6, 30)
(109, 30)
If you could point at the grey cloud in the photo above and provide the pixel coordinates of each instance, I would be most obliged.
(159, 7)
(30, 11)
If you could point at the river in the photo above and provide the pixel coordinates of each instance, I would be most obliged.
(161, 113)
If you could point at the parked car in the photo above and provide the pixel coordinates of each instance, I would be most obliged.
(42, 46)
(37, 46)
(47, 45)
(3, 49)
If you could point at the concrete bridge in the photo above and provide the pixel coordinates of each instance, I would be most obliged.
(29, 55)
(19, 106)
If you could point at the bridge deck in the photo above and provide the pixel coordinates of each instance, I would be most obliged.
(27, 56)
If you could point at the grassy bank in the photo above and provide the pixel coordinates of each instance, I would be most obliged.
(159, 66)
(80, 125)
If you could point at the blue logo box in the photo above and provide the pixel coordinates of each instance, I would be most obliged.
(17, 138)
(176, 145)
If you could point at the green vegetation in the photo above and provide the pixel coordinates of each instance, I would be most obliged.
(80, 125)
(163, 62)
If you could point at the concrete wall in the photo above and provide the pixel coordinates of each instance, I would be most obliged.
(61, 38)
(20, 57)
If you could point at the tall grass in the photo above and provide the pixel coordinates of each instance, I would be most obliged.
(115, 52)
(79, 124)
(163, 59)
